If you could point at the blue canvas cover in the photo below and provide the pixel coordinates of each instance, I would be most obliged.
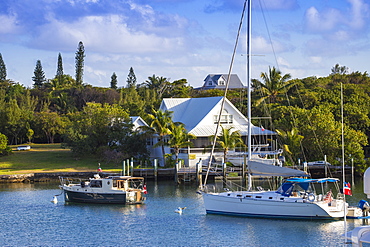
(287, 187)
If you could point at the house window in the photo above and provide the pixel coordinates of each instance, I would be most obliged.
(165, 139)
(226, 118)
(221, 82)
(149, 142)
(210, 83)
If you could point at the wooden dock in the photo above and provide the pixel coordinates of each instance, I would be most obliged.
(190, 174)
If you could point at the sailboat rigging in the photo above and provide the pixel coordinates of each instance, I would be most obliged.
(295, 198)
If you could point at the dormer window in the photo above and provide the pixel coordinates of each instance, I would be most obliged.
(226, 118)
(221, 82)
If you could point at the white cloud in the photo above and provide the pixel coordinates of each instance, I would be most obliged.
(262, 46)
(280, 4)
(332, 19)
(8, 24)
(281, 61)
(315, 59)
(340, 35)
(105, 34)
(359, 11)
(319, 22)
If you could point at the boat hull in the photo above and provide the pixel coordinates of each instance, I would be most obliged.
(216, 204)
(101, 198)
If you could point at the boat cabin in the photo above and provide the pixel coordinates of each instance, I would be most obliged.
(124, 183)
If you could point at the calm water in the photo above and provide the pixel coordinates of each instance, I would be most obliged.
(28, 218)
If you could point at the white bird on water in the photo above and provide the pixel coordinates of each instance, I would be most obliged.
(179, 210)
(55, 199)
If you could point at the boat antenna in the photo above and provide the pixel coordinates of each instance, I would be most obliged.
(226, 89)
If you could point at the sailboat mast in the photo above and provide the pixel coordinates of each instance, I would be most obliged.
(343, 170)
(249, 65)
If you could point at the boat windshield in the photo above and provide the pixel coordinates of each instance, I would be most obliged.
(288, 188)
(96, 183)
(136, 183)
(301, 184)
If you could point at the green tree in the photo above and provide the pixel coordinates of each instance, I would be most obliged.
(160, 124)
(337, 69)
(131, 100)
(179, 138)
(178, 89)
(39, 75)
(30, 134)
(94, 127)
(60, 73)
(291, 142)
(113, 81)
(159, 84)
(51, 124)
(61, 82)
(4, 148)
(13, 119)
(274, 85)
(2, 69)
(131, 78)
(80, 57)
(227, 140)
(128, 143)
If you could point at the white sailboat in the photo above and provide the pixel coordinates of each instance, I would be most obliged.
(296, 197)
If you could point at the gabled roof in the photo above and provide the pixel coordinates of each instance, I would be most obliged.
(198, 115)
(235, 81)
(138, 122)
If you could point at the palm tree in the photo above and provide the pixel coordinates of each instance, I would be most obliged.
(291, 143)
(161, 122)
(227, 140)
(159, 84)
(273, 85)
(337, 69)
(179, 138)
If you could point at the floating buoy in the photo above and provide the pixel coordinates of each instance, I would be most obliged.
(54, 200)
(179, 210)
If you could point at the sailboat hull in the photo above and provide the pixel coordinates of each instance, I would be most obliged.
(218, 203)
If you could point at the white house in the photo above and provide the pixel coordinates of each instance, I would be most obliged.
(137, 122)
(200, 118)
(218, 81)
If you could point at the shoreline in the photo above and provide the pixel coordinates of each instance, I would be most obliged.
(54, 176)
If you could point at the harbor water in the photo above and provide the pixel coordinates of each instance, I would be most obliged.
(29, 218)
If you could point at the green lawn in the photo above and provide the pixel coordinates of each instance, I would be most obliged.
(48, 158)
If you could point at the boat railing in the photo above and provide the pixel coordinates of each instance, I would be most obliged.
(69, 180)
(209, 188)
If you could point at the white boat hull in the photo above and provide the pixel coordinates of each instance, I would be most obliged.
(220, 203)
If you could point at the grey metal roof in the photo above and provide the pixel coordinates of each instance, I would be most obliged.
(235, 81)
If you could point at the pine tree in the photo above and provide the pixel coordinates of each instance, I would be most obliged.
(39, 75)
(113, 82)
(59, 75)
(80, 55)
(2, 69)
(131, 78)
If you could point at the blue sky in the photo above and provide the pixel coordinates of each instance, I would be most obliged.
(181, 38)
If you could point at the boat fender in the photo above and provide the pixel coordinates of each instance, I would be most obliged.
(328, 197)
(311, 197)
(364, 205)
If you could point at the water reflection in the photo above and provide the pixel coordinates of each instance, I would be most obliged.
(29, 218)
